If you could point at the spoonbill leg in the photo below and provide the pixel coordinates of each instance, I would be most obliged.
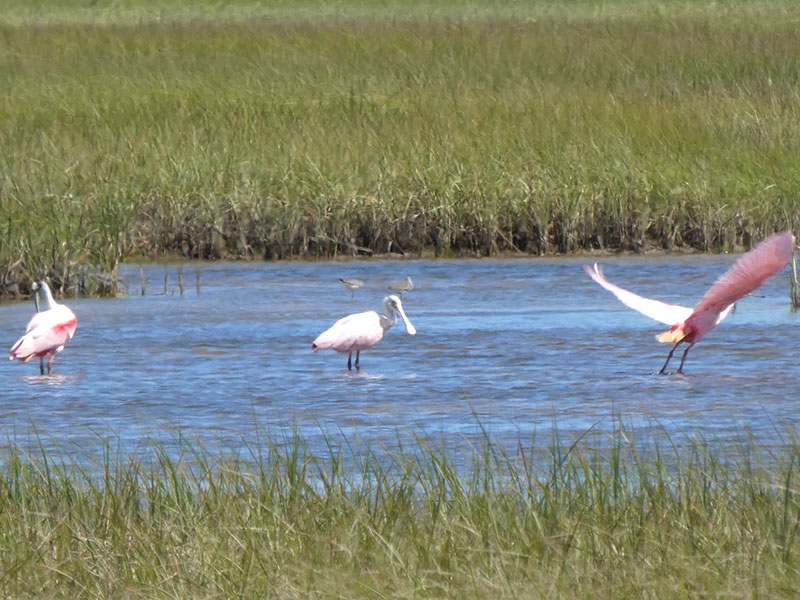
(669, 356)
(683, 358)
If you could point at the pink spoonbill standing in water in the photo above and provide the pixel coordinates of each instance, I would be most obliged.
(362, 331)
(48, 331)
(688, 325)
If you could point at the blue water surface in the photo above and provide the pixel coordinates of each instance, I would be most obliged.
(509, 348)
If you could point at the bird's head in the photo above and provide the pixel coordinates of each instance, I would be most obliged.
(393, 304)
(42, 296)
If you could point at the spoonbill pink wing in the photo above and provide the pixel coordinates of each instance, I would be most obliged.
(47, 332)
(362, 331)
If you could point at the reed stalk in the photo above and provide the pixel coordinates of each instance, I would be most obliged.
(599, 517)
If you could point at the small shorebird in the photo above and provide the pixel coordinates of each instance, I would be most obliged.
(404, 286)
(352, 285)
(362, 331)
(48, 331)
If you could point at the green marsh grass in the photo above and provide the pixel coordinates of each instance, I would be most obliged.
(390, 127)
(688, 519)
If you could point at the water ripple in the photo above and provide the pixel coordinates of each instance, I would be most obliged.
(507, 346)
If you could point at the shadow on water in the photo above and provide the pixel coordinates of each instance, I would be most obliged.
(504, 347)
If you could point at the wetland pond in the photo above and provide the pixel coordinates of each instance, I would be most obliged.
(514, 349)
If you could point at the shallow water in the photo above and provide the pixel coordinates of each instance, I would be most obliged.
(509, 347)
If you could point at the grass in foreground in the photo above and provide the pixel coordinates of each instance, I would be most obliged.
(471, 130)
(279, 521)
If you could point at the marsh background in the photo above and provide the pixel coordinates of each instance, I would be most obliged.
(263, 131)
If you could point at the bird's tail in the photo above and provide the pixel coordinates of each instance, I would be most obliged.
(674, 335)
(14, 353)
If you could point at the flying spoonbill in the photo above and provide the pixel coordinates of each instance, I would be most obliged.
(688, 325)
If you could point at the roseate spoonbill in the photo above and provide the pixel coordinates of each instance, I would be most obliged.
(48, 331)
(352, 285)
(361, 331)
(688, 325)
(404, 286)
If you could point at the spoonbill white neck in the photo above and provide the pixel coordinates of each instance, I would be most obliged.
(43, 296)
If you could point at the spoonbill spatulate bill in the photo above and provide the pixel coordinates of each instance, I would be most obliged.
(688, 325)
(48, 331)
(362, 331)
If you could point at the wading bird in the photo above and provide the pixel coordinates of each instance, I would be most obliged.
(48, 331)
(747, 274)
(352, 285)
(361, 331)
(404, 286)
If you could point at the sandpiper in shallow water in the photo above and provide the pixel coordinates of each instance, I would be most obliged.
(404, 286)
(352, 285)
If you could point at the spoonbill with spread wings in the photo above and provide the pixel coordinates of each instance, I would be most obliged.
(688, 325)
